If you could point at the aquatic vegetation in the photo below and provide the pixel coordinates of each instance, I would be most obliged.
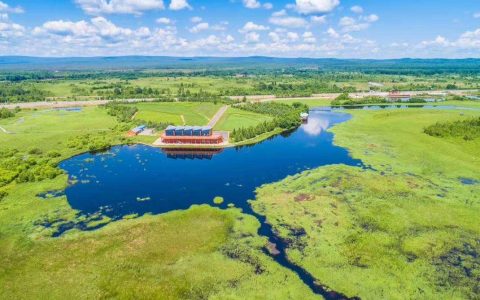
(371, 233)
(218, 200)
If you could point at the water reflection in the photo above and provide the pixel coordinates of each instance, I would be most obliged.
(315, 126)
(173, 179)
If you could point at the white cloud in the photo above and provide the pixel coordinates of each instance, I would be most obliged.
(357, 9)
(469, 39)
(308, 37)
(252, 4)
(318, 19)
(274, 37)
(333, 33)
(316, 6)
(229, 39)
(179, 5)
(370, 18)
(199, 27)
(10, 30)
(252, 37)
(196, 19)
(222, 26)
(268, 5)
(250, 26)
(349, 24)
(476, 15)
(164, 21)
(136, 7)
(293, 22)
(292, 36)
(280, 13)
(4, 7)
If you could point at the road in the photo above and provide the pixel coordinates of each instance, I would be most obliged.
(217, 116)
(254, 98)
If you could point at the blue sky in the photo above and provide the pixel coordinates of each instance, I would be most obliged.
(287, 28)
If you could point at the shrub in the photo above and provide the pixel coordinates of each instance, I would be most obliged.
(467, 129)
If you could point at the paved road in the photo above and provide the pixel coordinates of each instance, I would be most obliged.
(217, 116)
(63, 104)
(254, 98)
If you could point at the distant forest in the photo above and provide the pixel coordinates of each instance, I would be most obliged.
(17, 68)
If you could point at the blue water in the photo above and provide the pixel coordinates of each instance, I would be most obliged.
(140, 179)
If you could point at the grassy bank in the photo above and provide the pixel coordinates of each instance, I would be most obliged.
(407, 229)
(237, 118)
(177, 113)
(194, 254)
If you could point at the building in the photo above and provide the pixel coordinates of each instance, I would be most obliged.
(191, 135)
(396, 96)
(137, 130)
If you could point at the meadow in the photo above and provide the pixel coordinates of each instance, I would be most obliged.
(405, 227)
(236, 118)
(182, 113)
(199, 253)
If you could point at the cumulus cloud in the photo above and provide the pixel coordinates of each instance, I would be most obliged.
(308, 37)
(137, 7)
(196, 19)
(199, 27)
(179, 5)
(286, 21)
(10, 30)
(5, 8)
(357, 9)
(316, 6)
(164, 21)
(250, 26)
(252, 37)
(349, 24)
(268, 5)
(467, 40)
(333, 33)
(251, 4)
(318, 19)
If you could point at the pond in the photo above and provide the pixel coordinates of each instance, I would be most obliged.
(140, 179)
(135, 180)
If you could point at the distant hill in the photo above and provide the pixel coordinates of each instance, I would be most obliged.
(116, 63)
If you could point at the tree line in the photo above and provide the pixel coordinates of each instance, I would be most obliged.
(468, 129)
(284, 117)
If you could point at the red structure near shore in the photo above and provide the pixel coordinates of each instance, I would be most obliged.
(200, 140)
(191, 135)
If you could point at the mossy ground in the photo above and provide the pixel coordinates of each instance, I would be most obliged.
(407, 228)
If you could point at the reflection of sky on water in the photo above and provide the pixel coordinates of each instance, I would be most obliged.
(315, 126)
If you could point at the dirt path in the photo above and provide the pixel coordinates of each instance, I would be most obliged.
(4, 130)
(217, 116)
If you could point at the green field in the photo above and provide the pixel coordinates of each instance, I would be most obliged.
(198, 253)
(237, 118)
(172, 112)
(406, 229)
(50, 129)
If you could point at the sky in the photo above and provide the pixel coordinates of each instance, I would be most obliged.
(229, 28)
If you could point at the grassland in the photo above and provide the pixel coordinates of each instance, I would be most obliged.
(51, 129)
(177, 113)
(237, 118)
(194, 254)
(406, 228)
